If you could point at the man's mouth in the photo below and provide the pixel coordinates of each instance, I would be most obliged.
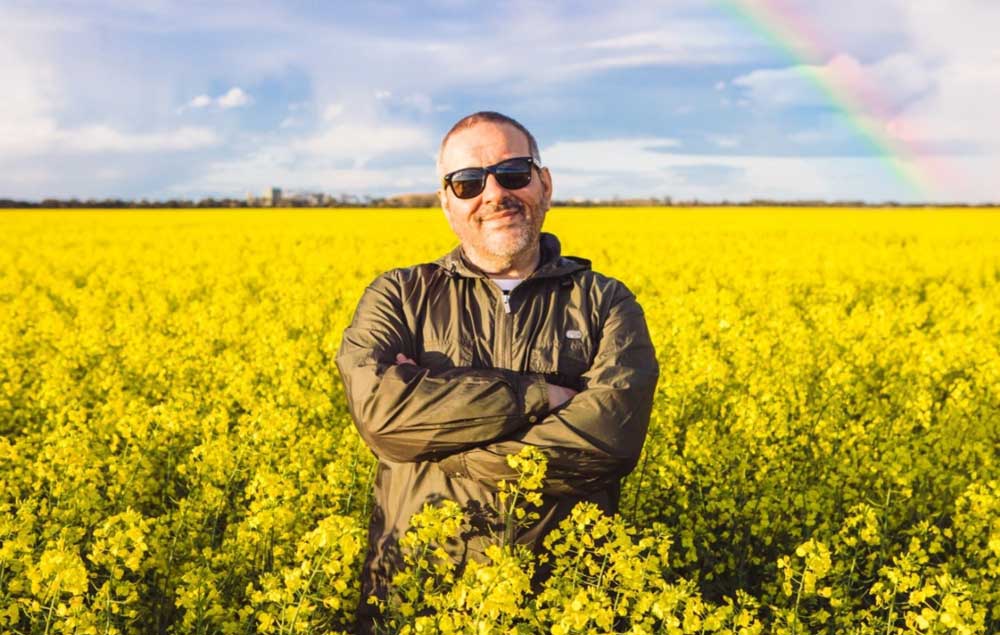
(504, 213)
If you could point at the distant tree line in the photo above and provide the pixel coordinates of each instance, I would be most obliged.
(754, 202)
(431, 200)
(404, 200)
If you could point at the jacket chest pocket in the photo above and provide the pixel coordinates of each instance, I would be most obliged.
(444, 354)
(563, 362)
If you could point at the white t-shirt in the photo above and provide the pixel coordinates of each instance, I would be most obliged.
(507, 284)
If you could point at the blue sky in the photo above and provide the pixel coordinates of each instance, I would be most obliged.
(681, 99)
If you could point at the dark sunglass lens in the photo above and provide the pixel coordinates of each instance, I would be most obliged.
(467, 183)
(514, 174)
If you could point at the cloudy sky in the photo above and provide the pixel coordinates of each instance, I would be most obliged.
(786, 99)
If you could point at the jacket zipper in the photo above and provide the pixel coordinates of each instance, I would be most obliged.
(508, 321)
(504, 355)
(504, 320)
(510, 330)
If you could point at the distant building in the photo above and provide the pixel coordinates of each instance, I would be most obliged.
(271, 197)
(275, 196)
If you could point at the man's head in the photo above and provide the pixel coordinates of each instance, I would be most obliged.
(499, 224)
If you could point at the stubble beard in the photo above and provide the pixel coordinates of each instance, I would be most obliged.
(507, 242)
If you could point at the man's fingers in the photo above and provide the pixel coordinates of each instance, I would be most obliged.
(403, 359)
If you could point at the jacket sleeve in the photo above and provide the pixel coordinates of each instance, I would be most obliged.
(597, 436)
(407, 413)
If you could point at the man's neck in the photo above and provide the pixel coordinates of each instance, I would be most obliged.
(519, 266)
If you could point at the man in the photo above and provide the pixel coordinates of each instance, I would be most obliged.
(451, 366)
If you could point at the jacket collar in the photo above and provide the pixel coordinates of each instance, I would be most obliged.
(552, 264)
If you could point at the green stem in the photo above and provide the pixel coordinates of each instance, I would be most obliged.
(508, 533)
(600, 575)
(354, 480)
(892, 606)
(305, 589)
(48, 616)
(107, 607)
(638, 487)
(798, 597)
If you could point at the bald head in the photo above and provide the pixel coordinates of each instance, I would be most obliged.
(487, 116)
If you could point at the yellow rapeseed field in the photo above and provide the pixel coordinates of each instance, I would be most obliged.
(176, 455)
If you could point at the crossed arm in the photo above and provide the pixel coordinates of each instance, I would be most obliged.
(470, 419)
(558, 395)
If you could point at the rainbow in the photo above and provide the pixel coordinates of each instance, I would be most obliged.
(846, 88)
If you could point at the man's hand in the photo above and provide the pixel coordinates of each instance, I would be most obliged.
(403, 359)
(558, 395)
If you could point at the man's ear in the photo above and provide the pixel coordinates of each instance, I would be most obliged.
(443, 200)
(445, 209)
(546, 179)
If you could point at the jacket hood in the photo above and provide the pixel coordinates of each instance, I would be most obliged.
(553, 264)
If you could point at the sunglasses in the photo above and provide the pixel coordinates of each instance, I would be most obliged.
(512, 174)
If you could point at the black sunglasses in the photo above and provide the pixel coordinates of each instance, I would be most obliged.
(512, 174)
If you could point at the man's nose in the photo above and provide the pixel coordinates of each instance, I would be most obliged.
(493, 192)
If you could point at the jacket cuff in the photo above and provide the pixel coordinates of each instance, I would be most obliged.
(536, 399)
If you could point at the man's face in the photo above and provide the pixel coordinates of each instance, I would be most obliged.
(498, 223)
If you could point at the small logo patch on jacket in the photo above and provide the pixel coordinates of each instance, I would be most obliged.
(574, 334)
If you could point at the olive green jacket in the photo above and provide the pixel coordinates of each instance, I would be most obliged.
(441, 429)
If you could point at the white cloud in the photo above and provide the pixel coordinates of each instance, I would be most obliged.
(953, 124)
(684, 41)
(340, 157)
(250, 172)
(932, 96)
(42, 136)
(938, 96)
(362, 141)
(29, 125)
(415, 102)
(201, 101)
(961, 106)
(30, 90)
(880, 88)
(780, 87)
(234, 98)
(101, 138)
(288, 168)
(583, 169)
